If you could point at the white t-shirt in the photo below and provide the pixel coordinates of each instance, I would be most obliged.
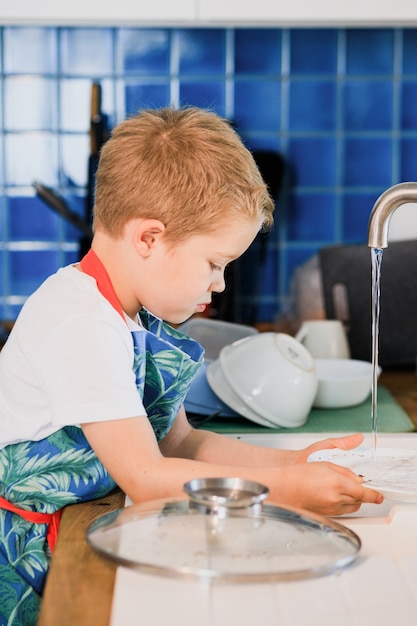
(68, 361)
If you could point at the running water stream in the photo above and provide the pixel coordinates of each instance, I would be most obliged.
(376, 261)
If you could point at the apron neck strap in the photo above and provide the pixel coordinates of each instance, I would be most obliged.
(91, 265)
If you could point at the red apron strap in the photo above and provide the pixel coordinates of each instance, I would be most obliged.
(53, 527)
(91, 264)
(52, 519)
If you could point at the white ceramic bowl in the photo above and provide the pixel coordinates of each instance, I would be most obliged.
(342, 382)
(274, 375)
(222, 389)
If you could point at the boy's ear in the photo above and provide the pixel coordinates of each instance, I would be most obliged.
(147, 233)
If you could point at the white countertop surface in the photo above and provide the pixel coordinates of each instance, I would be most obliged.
(380, 588)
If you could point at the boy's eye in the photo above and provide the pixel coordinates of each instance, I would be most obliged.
(216, 268)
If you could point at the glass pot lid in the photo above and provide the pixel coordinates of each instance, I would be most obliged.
(223, 532)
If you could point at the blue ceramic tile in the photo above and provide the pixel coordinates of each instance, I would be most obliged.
(356, 209)
(86, 51)
(311, 217)
(368, 162)
(271, 143)
(268, 280)
(257, 105)
(145, 50)
(3, 220)
(201, 51)
(2, 181)
(370, 51)
(269, 273)
(30, 50)
(11, 311)
(368, 105)
(32, 157)
(28, 269)
(31, 219)
(312, 105)
(409, 160)
(410, 51)
(75, 104)
(147, 95)
(258, 51)
(75, 150)
(208, 95)
(313, 161)
(409, 106)
(78, 205)
(267, 311)
(333, 133)
(313, 51)
(109, 86)
(69, 258)
(30, 103)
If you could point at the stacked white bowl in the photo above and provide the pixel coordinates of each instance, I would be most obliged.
(269, 378)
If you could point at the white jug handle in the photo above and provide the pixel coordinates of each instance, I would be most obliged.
(302, 334)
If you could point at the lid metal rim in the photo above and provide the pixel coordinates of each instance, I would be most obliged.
(193, 574)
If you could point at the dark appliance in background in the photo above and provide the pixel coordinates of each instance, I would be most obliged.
(99, 134)
(244, 276)
(346, 274)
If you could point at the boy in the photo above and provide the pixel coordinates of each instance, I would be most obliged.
(92, 381)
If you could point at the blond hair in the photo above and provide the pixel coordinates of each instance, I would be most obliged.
(185, 167)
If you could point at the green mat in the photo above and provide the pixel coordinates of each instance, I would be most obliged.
(391, 418)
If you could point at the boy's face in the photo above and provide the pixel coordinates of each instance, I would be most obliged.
(187, 273)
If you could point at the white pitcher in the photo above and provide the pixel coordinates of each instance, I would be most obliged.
(324, 339)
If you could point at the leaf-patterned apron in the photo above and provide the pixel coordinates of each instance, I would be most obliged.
(39, 478)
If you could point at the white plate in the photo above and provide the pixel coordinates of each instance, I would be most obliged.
(391, 471)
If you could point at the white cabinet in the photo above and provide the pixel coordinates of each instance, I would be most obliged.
(309, 12)
(211, 12)
(98, 12)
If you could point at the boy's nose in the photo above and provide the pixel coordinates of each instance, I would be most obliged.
(219, 285)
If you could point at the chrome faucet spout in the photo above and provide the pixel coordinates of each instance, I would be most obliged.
(383, 209)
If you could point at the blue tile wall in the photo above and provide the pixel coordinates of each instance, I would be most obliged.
(340, 105)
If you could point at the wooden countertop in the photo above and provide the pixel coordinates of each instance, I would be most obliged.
(80, 584)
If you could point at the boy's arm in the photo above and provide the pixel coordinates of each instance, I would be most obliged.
(143, 470)
(187, 442)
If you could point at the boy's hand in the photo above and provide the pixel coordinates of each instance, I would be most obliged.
(324, 488)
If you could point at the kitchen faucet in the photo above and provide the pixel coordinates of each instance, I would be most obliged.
(383, 209)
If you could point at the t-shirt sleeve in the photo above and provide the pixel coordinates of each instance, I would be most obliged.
(86, 371)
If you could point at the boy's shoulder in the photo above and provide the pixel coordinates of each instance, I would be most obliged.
(63, 294)
(68, 303)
